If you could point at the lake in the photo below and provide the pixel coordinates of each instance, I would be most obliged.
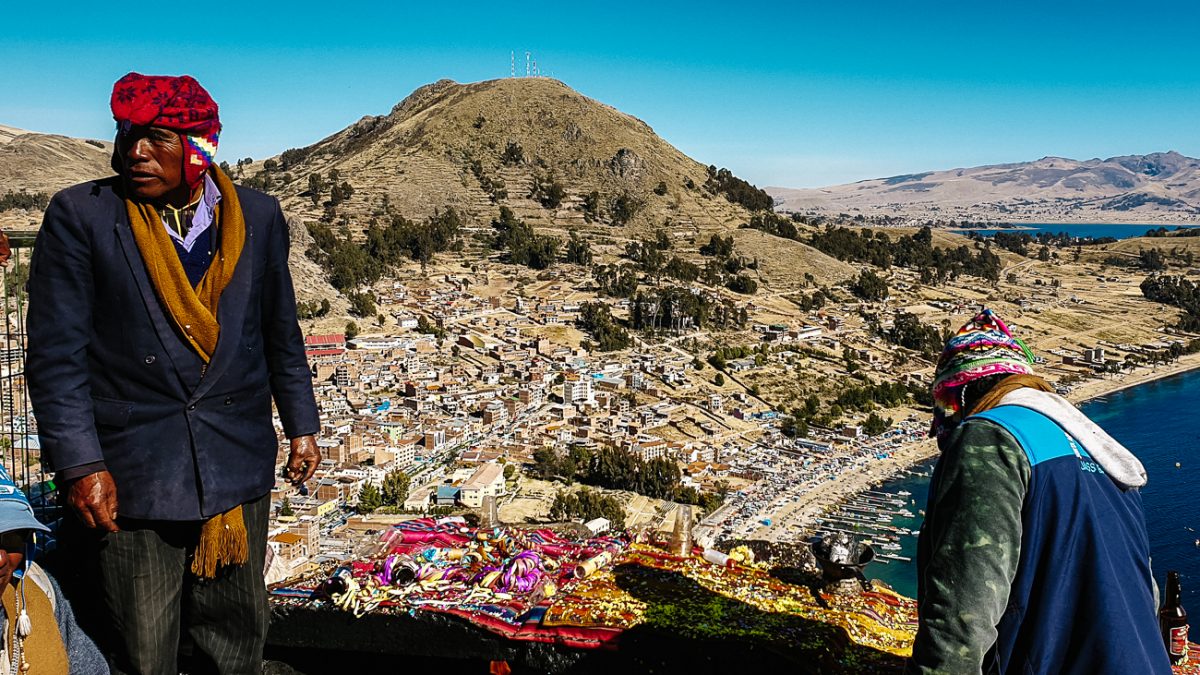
(1092, 230)
(1157, 421)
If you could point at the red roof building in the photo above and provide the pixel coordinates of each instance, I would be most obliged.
(325, 345)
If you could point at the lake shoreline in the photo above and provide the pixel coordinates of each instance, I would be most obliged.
(834, 494)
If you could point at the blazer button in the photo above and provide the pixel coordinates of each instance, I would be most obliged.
(228, 400)
(192, 406)
(149, 359)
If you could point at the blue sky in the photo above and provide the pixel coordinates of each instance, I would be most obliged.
(790, 94)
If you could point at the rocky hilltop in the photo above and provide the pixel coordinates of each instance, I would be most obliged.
(552, 155)
(1159, 187)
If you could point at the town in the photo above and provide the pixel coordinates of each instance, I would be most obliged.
(468, 382)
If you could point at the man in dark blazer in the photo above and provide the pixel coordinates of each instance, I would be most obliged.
(162, 323)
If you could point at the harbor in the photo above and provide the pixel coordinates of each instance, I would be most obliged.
(870, 516)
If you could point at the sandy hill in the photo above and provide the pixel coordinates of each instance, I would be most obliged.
(445, 145)
(48, 162)
(1159, 187)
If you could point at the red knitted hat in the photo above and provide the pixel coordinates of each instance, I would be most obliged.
(176, 103)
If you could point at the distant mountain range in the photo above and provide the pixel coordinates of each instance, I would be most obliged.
(1160, 187)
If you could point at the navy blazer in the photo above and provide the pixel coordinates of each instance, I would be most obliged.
(112, 381)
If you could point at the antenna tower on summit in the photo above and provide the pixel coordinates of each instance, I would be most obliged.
(512, 64)
(527, 55)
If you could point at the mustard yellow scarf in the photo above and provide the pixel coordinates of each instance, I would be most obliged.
(194, 313)
(1003, 388)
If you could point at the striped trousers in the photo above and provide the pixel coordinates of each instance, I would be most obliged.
(152, 600)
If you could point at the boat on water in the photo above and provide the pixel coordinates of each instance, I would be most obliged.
(904, 493)
(890, 547)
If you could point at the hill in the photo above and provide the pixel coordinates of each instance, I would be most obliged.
(1154, 188)
(532, 144)
(46, 163)
(37, 162)
(33, 162)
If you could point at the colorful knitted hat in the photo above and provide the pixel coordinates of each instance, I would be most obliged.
(982, 347)
(176, 103)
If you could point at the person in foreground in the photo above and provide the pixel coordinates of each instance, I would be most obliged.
(162, 321)
(40, 635)
(1034, 556)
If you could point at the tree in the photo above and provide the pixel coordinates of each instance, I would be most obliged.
(742, 284)
(395, 488)
(361, 304)
(513, 154)
(351, 330)
(869, 286)
(719, 380)
(369, 499)
(876, 425)
(510, 470)
(285, 508)
(624, 208)
(737, 190)
(579, 251)
(315, 187)
(548, 191)
(794, 427)
(591, 206)
(597, 319)
(536, 251)
(718, 247)
(717, 360)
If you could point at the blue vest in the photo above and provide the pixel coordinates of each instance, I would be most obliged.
(1082, 601)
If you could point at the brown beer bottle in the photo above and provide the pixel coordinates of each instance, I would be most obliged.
(1173, 623)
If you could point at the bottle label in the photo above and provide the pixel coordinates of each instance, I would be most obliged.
(1179, 641)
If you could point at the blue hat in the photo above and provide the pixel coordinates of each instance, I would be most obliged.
(15, 511)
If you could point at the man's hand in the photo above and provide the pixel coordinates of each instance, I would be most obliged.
(302, 460)
(94, 498)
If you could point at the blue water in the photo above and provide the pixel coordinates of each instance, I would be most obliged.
(1160, 422)
(1093, 230)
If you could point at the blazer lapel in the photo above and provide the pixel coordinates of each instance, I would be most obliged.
(172, 344)
(231, 313)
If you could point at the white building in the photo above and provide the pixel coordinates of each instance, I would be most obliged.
(577, 390)
(487, 481)
(598, 526)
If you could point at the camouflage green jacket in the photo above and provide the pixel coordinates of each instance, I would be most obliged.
(969, 547)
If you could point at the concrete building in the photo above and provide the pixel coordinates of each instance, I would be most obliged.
(577, 390)
(487, 481)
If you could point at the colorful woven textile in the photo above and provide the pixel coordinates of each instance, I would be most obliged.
(176, 103)
(982, 347)
(536, 585)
